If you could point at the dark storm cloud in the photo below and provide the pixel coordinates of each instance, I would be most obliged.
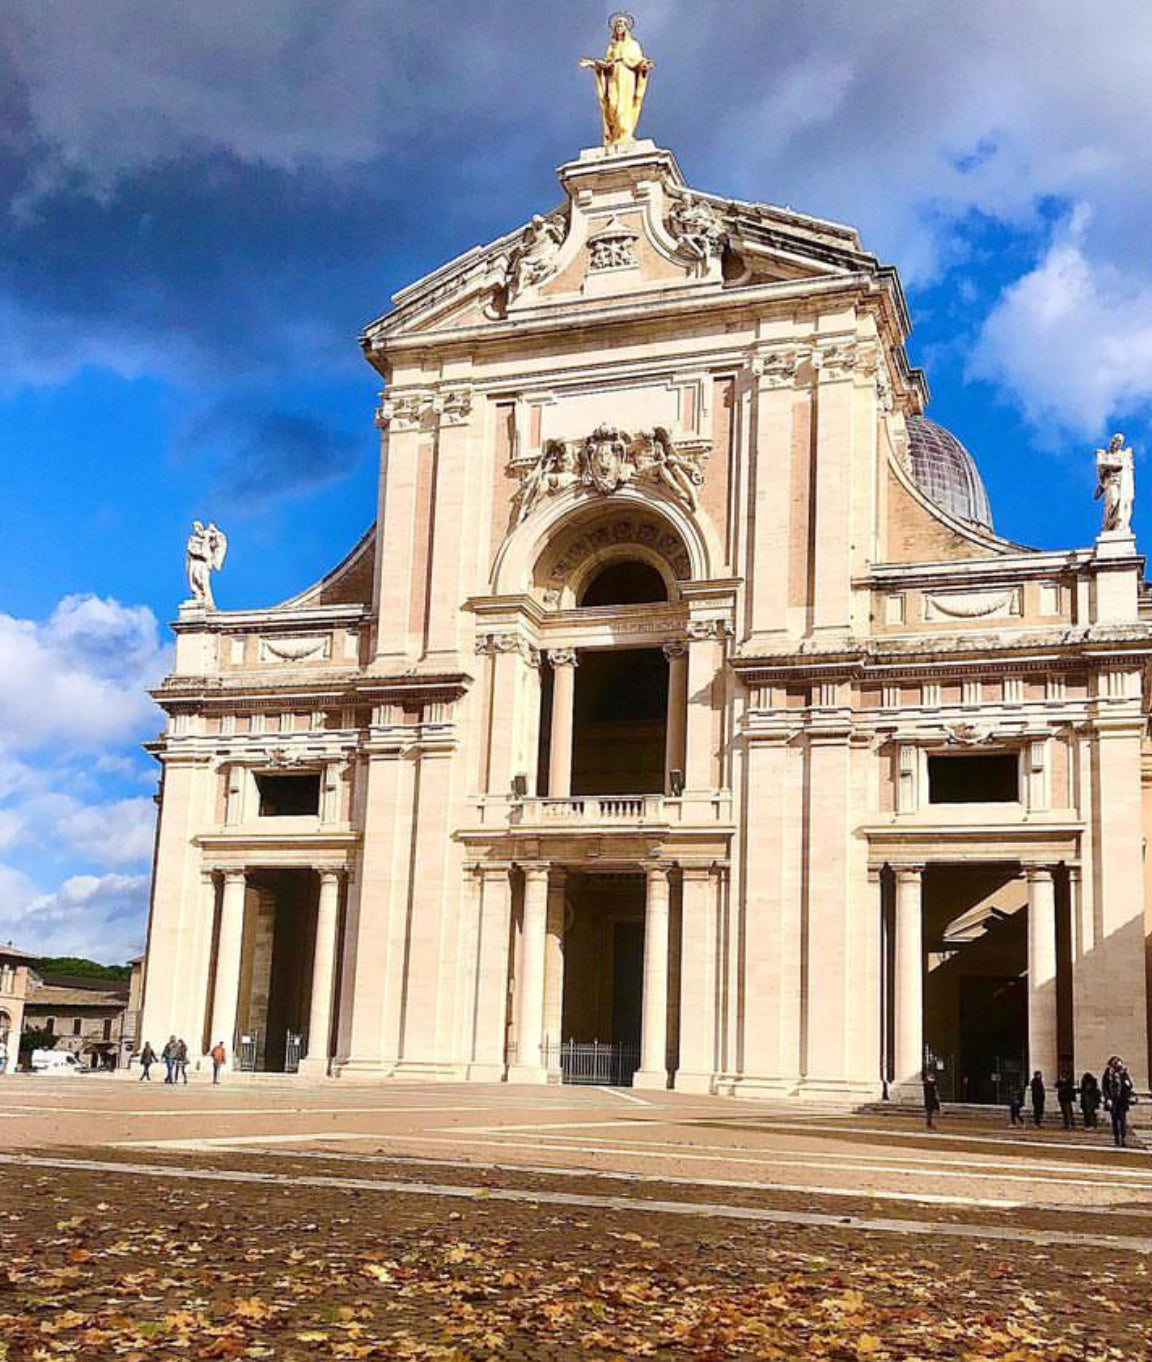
(259, 454)
(219, 189)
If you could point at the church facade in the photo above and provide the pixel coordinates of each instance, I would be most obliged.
(681, 720)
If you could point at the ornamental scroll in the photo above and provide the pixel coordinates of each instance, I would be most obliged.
(609, 459)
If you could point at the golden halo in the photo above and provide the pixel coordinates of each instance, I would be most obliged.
(621, 14)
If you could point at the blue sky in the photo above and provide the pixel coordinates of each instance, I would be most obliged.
(200, 206)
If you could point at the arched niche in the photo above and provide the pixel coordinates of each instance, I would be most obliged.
(556, 550)
(581, 551)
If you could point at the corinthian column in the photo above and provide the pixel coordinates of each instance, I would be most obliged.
(653, 1071)
(323, 974)
(564, 663)
(908, 980)
(227, 994)
(1042, 1009)
(529, 1022)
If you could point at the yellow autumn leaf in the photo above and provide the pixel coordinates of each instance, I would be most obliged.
(378, 1272)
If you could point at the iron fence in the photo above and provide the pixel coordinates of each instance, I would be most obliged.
(594, 1062)
(247, 1051)
(292, 1044)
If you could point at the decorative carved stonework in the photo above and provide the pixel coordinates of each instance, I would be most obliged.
(563, 657)
(968, 735)
(970, 605)
(675, 647)
(534, 260)
(704, 629)
(613, 534)
(777, 368)
(697, 228)
(508, 643)
(298, 649)
(610, 458)
(613, 247)
(411, 408)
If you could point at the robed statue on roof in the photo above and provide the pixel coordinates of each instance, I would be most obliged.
(621, 82)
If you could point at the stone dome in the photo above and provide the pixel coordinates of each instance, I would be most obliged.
(946, 473)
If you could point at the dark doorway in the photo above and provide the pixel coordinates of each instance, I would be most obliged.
(276, 966)
(620, 722)
(603, 979)
(976, 989)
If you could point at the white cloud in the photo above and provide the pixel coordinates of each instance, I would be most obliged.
(73, 707)
(98, 916)
(1072, 339)
(80, 679)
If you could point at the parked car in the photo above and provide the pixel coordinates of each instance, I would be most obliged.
(55, 1062)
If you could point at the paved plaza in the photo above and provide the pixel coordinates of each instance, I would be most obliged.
(569, 1222)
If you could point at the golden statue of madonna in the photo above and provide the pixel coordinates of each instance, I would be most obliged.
(621, 80)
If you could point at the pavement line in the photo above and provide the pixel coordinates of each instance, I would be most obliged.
(1108, 1176)
(227, 1141)
(551, 1170)
(801, 1129)
(624, 1096)
(234, 1111)
(631, 1205)
(640, 1153)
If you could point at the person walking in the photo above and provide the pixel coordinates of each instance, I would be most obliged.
(1119, 1096)
(1036, 1089)
(168, 1055)
(1089, 1100)
(931, 1098)
(1015, 1103)
(1066, 1096)
(219, 1058)
(147, 1059)
(180, 1069)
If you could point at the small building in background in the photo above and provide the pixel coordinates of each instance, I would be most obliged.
(78, 1013)
(13, 987)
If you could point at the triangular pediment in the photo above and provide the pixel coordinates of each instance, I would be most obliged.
(630, 225)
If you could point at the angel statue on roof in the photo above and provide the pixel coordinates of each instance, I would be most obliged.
(1115, 484)
(207, 546)
(621, 80)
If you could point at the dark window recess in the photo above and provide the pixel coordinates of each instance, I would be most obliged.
(626, 583)
(986, 779)
(50, 1026)
(107, 1028)
(75, 1026)
(289, 796)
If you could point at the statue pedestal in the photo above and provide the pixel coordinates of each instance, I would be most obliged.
(1115, 544)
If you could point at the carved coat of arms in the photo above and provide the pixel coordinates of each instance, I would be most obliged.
(611, 458)
(606, 465)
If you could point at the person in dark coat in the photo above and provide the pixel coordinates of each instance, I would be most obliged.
(931, 1099)
(168, 1055)
(1089, 1100)
(147, 1059)
(1066, 1096)
(1015, 1103)
(1037, 1091)
(180, 1068)
(1119, 1095)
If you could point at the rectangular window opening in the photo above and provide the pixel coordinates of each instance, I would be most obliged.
(294, 796)
(989, 778)
(76, 1025)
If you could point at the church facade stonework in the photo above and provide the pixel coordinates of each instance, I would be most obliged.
(681, 713)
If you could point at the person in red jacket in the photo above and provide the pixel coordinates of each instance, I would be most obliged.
(219, 1059)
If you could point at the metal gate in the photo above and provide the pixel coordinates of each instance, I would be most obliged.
(247, 1051)
(594, 1063)
(292, 1043)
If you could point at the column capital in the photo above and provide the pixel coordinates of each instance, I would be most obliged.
(675, 647)
(533, 870)
(494, 870)
(563, 657)
(699, 872)
(233, 876)
(656, 871)
(328, 874)
(908, 873)
(1037, 871)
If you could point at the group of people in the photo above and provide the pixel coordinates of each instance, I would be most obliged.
(175, 1059)
(1115, 1090)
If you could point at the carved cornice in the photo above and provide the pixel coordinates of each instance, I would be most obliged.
(409, 409)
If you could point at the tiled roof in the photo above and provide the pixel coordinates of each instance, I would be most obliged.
(946, 473)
